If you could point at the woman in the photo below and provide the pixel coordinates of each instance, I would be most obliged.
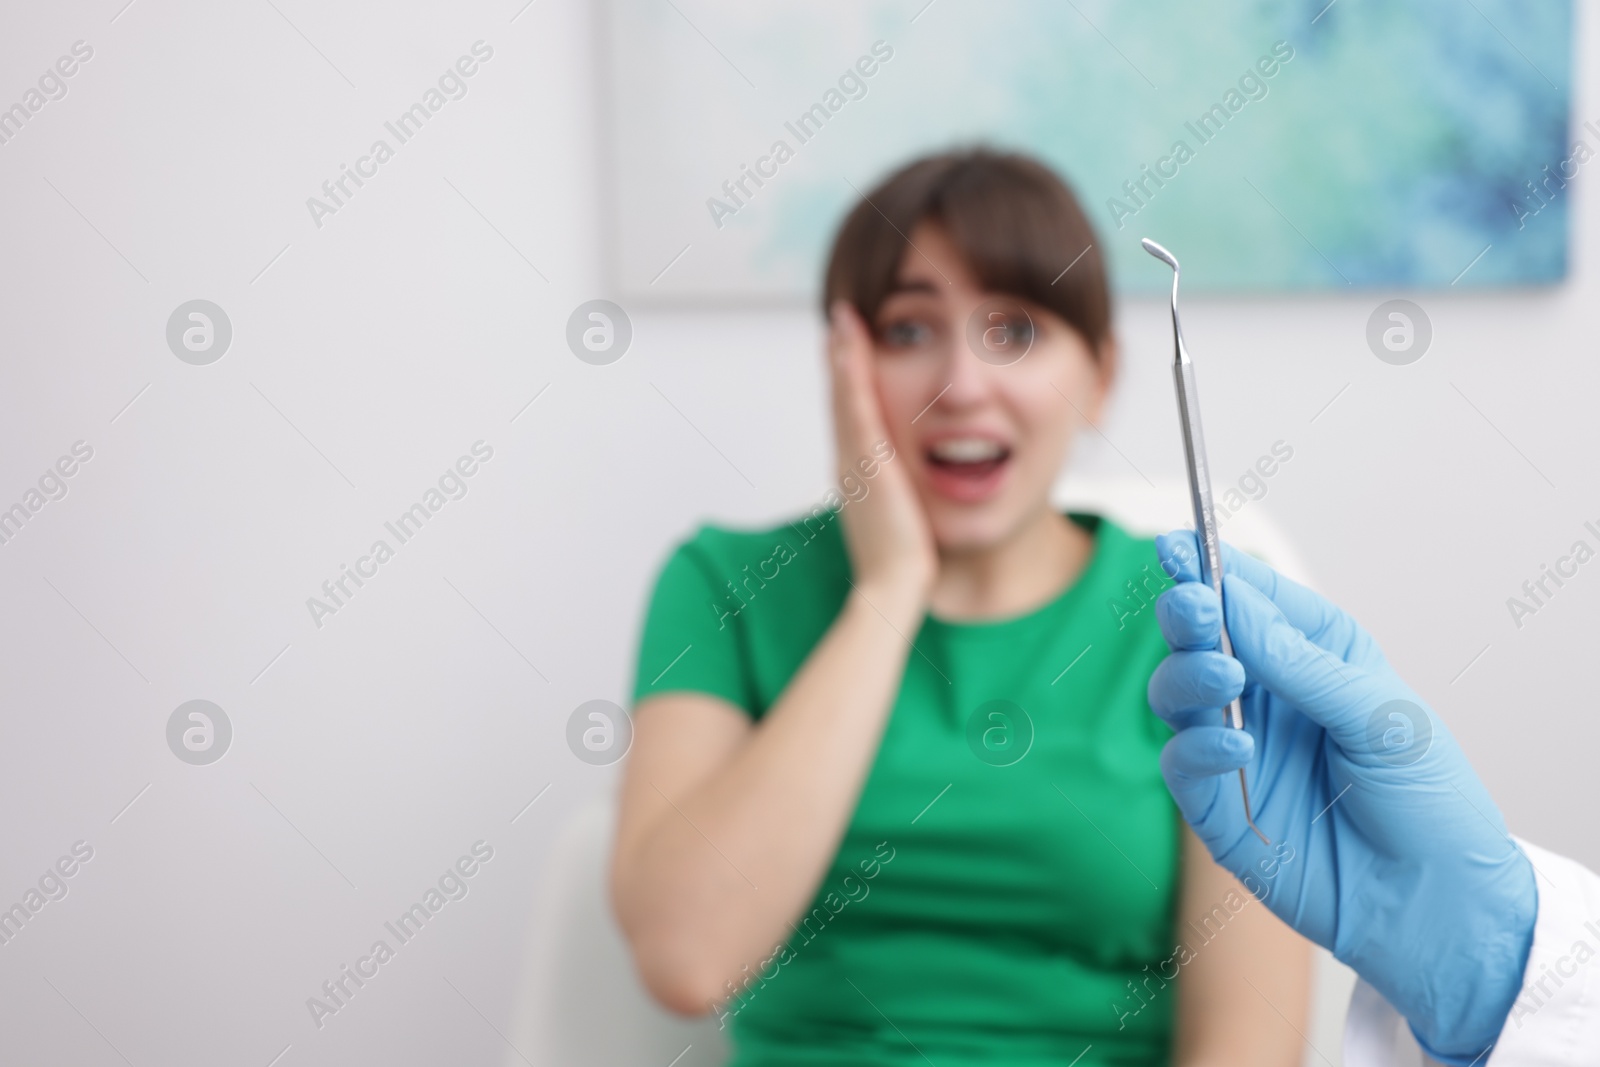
(894, 793)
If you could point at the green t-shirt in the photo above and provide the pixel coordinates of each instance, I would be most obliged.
(1005, 891)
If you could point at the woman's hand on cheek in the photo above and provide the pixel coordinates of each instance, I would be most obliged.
(891, 546)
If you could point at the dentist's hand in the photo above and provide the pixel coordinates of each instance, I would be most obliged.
(1402, 865)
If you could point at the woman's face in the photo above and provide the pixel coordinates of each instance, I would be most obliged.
(982, 394)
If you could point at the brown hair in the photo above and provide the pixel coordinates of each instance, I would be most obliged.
(1013, 220)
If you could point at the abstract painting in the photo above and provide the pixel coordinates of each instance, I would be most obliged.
(1274, 147)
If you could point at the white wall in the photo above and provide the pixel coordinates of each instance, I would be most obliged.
(425, 715)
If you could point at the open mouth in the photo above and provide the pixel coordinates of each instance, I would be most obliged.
(966, 468)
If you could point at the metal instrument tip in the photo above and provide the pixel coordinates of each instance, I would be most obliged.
(1159, 252)
(1180, 355)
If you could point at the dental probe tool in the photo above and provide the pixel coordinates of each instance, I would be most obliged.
(1205, 518)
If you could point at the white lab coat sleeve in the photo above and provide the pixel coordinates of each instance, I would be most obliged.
(1555, 1021)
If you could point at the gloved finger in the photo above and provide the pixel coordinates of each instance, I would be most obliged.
(1198, 765)
(1179, 555)
(1323, 622)
(1190, 616)
(1337, 695)
(1195, 794)
(1193, 763)
(1186, 683)
(1207, 751)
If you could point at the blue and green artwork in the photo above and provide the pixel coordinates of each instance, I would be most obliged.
(1276, 146)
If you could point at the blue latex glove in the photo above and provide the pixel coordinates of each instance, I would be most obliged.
(1401, 864)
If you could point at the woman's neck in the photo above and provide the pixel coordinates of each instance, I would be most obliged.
(1027, 571)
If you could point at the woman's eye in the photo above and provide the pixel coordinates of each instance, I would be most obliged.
(1005, 332)
(905, 333)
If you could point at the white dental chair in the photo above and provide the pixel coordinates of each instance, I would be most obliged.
(580, 1003)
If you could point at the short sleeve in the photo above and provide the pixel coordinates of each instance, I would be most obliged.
(693, 639)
